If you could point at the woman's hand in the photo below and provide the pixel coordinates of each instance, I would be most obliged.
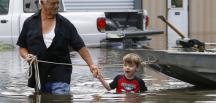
(30, 58)
(95, 70)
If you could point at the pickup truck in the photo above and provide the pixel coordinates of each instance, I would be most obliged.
(95, 20)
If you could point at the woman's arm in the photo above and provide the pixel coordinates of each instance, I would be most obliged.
(25, 55)
(84, 53)
(23, 52)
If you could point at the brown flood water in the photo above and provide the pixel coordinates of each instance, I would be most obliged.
(85, 88)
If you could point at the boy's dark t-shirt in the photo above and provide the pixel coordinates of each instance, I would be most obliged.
(124, 85)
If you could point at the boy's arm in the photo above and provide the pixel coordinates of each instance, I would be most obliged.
(143, 87)
(104, 83)
(109, 86)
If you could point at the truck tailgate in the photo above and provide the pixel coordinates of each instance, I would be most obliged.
(131, 34)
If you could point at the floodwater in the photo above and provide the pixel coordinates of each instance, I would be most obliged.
(85, 88)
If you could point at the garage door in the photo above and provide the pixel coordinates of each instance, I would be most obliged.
(100, 5)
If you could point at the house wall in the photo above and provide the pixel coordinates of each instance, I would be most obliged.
(156, 8)
(202, 20)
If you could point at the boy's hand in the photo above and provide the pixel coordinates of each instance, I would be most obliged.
(99, 76)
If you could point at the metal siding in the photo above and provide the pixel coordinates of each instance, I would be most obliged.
(155, 8)
(202, 22)
(98, 5)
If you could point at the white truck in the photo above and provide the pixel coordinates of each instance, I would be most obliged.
(95, 20)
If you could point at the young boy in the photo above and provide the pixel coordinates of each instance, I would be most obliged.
(129, 82)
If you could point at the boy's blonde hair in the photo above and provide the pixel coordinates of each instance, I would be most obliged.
(132, 58)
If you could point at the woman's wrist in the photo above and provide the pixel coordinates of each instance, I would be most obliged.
(25, 56)
(92, 67)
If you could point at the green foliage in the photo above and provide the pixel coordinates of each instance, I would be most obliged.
(6, 47)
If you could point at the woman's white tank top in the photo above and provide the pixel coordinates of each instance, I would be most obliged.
(48, 37)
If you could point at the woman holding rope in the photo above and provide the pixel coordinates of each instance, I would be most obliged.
(46, 36)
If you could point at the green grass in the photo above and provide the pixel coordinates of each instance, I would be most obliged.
(6, 47)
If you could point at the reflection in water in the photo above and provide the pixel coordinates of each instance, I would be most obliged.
(85, 88)
(48, 98)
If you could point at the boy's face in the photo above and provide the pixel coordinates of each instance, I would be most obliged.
(129, 70)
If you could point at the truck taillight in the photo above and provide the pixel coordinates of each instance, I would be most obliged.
(101, 24)
(147, 22)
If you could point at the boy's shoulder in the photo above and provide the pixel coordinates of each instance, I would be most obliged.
(140, 80)
(118, 76)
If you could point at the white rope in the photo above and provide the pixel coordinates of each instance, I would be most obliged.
(37, 76)
(42, 61)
